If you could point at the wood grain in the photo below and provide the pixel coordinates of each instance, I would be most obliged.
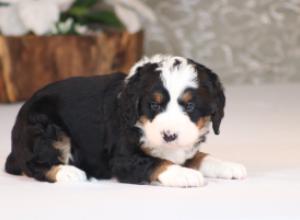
(30, 62)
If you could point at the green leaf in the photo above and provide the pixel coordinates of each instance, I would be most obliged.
(103, 17)
(4, 4)
(85, 3)
(82, 13)
(78, 11)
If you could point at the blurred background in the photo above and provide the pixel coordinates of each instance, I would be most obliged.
(246, 42)
(253, 45)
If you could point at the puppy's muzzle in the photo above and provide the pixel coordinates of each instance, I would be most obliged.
(168, 136)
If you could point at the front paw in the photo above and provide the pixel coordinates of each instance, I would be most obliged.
(178, 176)
(215, 168)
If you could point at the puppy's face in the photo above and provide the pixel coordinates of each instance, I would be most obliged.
(174, 100)
(174, 113)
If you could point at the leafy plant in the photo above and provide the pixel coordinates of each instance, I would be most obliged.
(45, 17)
(82, 12)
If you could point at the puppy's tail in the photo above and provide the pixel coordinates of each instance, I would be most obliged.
(11, 165)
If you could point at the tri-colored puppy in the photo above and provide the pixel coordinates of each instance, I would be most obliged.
(142, 128)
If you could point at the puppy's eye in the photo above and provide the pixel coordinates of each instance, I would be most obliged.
(190, 107)
(155, 107)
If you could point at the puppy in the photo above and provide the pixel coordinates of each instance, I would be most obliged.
(145, 127)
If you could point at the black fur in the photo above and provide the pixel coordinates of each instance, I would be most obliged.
(211, 82)
(98, 114)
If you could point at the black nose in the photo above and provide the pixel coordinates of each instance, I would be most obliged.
(168, 137)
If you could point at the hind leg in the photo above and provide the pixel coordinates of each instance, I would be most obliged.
(57, 158)
(43, 151)
(64, 172)
(11, 165)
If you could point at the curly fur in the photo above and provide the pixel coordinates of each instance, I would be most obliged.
(100, 115)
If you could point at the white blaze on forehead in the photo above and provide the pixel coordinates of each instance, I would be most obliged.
(184, 71)
(177, 78)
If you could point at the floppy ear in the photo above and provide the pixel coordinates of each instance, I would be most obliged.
(129, 100)
(133, 90)
(218, 102)
(212, 82)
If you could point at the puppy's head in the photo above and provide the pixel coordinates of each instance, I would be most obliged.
(172, 100)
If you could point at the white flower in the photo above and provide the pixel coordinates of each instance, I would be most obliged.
(10, 22)
(128, 11)
(62, 27)
(10, 1)
(38, 16)
(141, 8)
(81, 29)
(63, 5)
(66, 26)
(129, 18)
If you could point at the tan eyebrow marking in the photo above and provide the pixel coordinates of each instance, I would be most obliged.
(158, 97)
(186, 97)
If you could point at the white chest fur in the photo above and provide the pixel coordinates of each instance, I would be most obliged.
(177, 156)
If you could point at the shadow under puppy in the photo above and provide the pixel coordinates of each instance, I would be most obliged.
(145, 127)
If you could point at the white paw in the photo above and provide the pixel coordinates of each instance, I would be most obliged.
(178, 176)
(67, 173)
(212, 167)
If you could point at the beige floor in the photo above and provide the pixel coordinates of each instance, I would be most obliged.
(261, 130)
